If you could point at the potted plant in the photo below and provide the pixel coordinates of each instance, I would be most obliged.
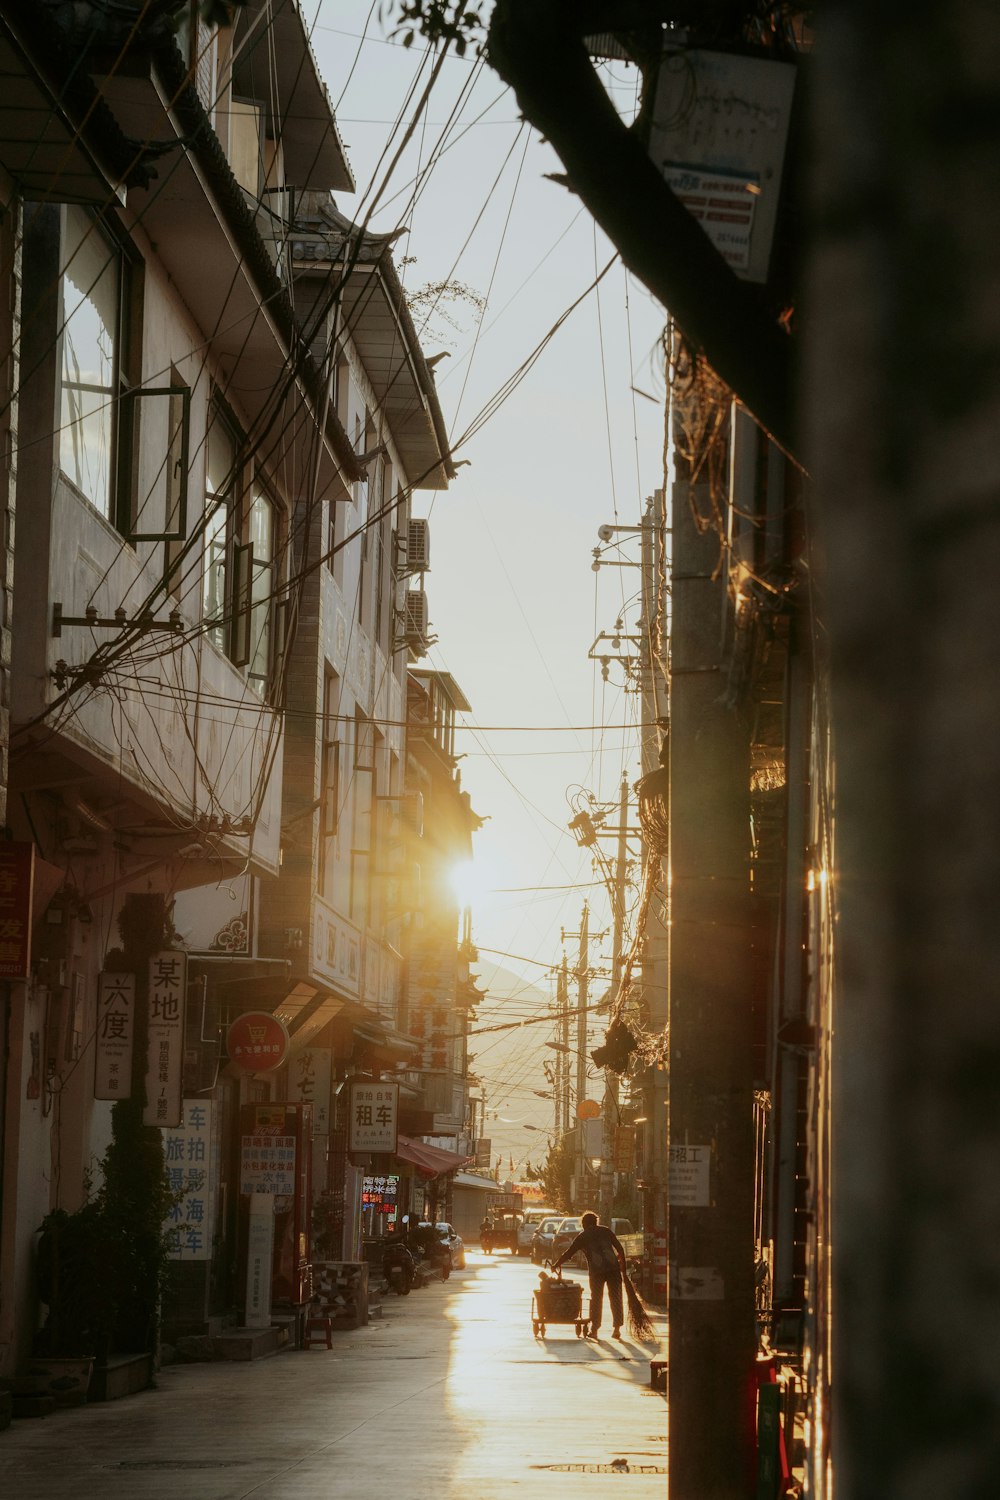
(78, 1292)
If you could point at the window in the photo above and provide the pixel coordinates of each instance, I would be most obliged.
(95, 349)
(329, 791)
(241, 558)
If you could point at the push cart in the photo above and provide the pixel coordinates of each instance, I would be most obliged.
(557, 1301)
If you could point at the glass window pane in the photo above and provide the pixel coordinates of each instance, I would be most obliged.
(215, 572)
(91, 280)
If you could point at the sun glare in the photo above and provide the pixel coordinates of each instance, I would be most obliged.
(467, 883)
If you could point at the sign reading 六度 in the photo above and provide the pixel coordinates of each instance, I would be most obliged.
(688, 1170)
(374, 1115)
(165, 1053)
(115, 1036)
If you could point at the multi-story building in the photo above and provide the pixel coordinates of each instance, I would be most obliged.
(440, 993)
(221, 413)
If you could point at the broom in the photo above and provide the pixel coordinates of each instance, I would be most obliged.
(640, 1324)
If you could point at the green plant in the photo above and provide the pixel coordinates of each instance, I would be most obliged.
(102, 1270)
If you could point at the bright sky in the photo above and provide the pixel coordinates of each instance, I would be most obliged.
(513, 598)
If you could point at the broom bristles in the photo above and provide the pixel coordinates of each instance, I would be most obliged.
(640, 1324)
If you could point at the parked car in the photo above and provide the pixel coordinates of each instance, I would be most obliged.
(541, 1240)
(455, 1244)
(566, 1231)
(526, 1229)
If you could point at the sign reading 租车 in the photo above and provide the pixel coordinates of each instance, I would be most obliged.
(188, 1158)
(17, 869)
(165, 1053)
(374, 1116)
(115, 1036)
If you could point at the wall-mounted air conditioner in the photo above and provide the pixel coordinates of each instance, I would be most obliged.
(418, 546)
(417, 625)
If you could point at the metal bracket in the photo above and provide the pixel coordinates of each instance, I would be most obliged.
(118, 621)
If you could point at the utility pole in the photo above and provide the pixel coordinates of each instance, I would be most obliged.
(609, 1111)
(710, 1056)
(582, 991)
(563, 1053)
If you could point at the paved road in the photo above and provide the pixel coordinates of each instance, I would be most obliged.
(447, 1397)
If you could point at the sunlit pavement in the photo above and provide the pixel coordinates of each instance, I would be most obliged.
(448, 1396)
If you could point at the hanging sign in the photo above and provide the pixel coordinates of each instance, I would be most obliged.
(187, 1155)
(310, 1073)
(17, 866)
(688, 1176)
(165, 1053)
(257, 1042)
(374, 1116)
(115, 1036)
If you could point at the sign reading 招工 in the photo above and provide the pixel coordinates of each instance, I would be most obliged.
(374, 1116)
(688, 1174)
(187, 1155)
(115, 1036)
(165, 1054)
(17, 870)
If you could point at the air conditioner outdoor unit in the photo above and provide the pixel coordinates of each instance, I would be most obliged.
(416, 617)
(418, 546)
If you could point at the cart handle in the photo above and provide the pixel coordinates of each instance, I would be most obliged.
(557, 1269)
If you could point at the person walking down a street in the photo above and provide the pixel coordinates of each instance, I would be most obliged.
(606, 1264)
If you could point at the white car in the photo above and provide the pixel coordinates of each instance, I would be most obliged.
(455, 1244)
(526, 1229)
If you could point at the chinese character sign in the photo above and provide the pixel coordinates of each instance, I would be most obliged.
(187, 1155)
(257, 1042)
(688, 1176)
(165, 1054)
(380, 1195)
(309, 1076)
(115, 1036)
(267, 1164)
(374, 1111)
(17, 866)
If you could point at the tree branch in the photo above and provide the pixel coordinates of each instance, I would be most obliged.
(536, 47)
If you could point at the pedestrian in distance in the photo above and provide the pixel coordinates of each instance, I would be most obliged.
(606, 1264)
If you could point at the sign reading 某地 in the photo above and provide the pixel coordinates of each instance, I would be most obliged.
(165, 1053)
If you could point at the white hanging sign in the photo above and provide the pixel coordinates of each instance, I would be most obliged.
(115, 1036)
(165, 1052)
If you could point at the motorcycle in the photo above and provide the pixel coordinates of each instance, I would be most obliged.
(397, 1268)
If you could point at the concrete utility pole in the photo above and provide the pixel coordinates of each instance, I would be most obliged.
(582, 991)
(656, 950)
(563, 1054)
(710, 1139)
(609, 1110)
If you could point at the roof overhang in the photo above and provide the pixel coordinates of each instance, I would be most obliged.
(49, 152)
(430, 1161)
(273, 63)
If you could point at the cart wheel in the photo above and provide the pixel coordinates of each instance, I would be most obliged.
(535, 1325)
(541, 1329)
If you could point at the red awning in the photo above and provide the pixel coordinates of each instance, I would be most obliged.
(430, 1161)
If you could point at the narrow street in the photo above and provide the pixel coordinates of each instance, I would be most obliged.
(447, 1395)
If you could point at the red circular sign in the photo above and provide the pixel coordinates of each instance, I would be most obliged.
(588, 1109)
(257, 1042)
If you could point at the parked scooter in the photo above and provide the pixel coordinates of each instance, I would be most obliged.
(397, 1267)
(426, 1242)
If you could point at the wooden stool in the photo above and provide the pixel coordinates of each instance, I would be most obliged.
(658, 1374)
(318, 1331)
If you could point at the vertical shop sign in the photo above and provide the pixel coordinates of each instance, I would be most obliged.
(260, 1260)
(17, 869)
(187, 1155)
(165, 1054)
(309, 1077)
(115, 1036)
(374, 1115)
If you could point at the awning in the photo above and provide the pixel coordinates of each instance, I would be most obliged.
(470, 1180)
(430, 1161)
